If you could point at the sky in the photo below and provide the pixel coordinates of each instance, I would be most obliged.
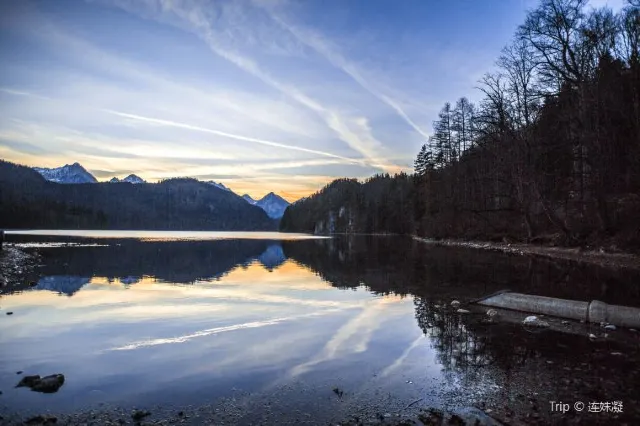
(260, 95)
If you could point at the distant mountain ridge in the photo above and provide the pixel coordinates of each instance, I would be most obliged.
(28, 200)
(272, 204)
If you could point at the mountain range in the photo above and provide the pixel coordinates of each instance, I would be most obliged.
(28, 200)
(272, 204)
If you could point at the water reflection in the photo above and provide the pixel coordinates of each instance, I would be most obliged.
(205, 317)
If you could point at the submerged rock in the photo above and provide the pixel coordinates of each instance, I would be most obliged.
(48, 384)
(138, 415)
(534, 321)
(28, 381)
(455, 304)
(42, 420)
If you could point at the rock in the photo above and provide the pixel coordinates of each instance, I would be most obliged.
(455, 304)
(41, 420)
(49, 384)
(610, 327)
(491, 313)
(534, 321)
(616, 353)
(565, 322)
(463, 311)
(592, 336)
(633, 330)
(9, 313)
(28, 381)
(138, 415)
(19, 372)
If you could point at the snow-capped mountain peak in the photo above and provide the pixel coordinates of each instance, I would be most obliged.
(129, 179)
(133, 179)
(274, 205)
(69, 173)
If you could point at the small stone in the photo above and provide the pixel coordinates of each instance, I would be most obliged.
(492, 313)
(455, 304)
(616, 353)
(463, 311)
(610, 327)
(9, 313)
(19, 372)
(592, 336)
(534, 321)
(633, 330)
(565, 322)
(49, 384)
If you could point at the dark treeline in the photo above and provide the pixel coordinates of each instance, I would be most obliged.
(551, 152)
(380, 204)
(27, 200)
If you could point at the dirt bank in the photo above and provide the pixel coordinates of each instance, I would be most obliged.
(595, 257)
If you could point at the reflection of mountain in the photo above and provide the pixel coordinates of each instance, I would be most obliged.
(171, 261)
(62, 283)
(272, 257)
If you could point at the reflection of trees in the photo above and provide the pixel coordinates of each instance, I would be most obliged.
(466, 344)
(174, 261)
(403, 266)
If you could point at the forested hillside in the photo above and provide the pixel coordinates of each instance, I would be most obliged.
(552, 152)
(27, 200)
(380, 204)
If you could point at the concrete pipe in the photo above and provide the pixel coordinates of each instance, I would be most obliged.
(594, 312)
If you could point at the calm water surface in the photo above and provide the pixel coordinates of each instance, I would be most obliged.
(187, 318)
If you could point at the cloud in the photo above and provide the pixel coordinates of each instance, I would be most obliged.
(170, 123)
(193, 17)
(322, 46)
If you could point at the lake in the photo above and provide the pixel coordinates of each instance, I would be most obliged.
(275, 328)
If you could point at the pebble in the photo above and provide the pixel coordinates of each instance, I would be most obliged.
(592, 336)
(9, 313)
(463, 311)
(534, 322)
(610, 327)
(455, 304)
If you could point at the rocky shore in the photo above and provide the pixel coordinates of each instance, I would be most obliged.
(17, 268)
(601, 256)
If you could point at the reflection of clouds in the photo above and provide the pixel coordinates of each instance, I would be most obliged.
(353, 337)
(400, 360)
(216, 330)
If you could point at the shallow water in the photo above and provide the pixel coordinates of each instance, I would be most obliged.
(160, 320)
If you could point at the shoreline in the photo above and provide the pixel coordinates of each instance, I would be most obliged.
(16, 267)
(580, 255)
